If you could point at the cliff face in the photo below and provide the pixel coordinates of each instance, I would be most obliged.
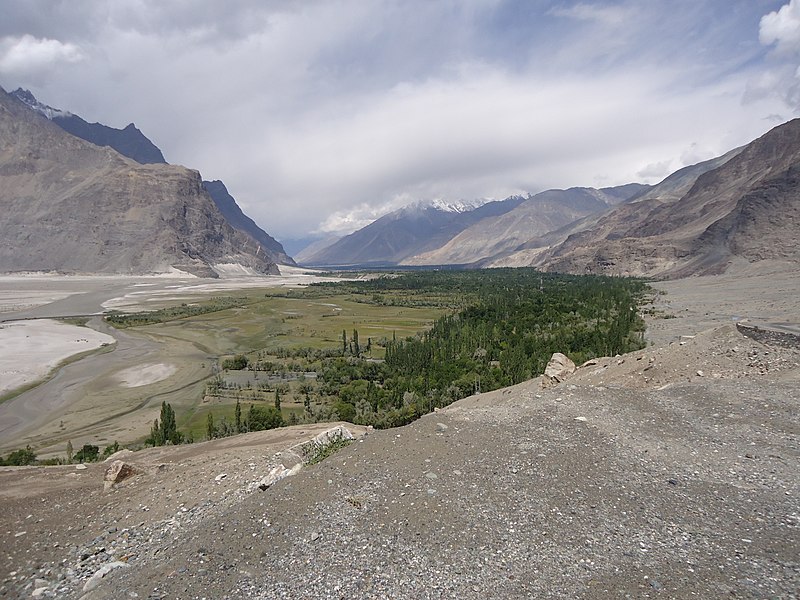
(71, 206)
(238, 220)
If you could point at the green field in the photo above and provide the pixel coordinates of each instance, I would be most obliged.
(265, 324)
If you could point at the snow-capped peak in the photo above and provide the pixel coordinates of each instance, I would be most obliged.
(29, 99)
(457, 206)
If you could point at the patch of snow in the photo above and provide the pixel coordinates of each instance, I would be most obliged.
(30, 100)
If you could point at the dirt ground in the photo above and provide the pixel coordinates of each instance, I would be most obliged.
(671, 472)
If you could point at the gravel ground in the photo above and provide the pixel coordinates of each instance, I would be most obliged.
(672, 472)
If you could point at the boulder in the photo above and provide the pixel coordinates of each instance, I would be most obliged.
(559, 367)
(118, 471)
(95, 579)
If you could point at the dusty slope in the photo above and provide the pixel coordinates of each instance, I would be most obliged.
(746, 208)
(536, 216)
(672, 472)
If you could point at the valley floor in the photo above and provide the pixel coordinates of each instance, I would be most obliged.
(670, 472)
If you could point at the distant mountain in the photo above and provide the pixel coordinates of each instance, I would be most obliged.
(405, 232)
(72, 206)
(535, 216)
(309, 247)
(129, 142)
(134, 144)
(744, 205)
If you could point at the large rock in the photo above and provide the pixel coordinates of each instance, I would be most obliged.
(559, 368)
(118, 471)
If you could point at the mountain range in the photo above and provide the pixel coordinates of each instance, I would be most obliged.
(85, 197)
(73, 206)
(131, 142)
(410, 230)
(743, 205)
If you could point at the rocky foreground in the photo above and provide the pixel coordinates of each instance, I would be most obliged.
(669, 472)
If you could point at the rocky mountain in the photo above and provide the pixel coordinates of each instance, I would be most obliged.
(747, 207)
(536, 216)
(72, 206)
(537, 249)
(238, 220)
(129, 141)
(134, 144)
(406, 232)
(310, 246)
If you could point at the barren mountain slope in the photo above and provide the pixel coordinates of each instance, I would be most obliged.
(536, 216)
(536, 251)
(670, 472)
(737, 209)
(405, 232)
(69, 205)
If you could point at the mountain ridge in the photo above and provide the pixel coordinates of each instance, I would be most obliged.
(408, 230)
(131, 142)
(72, 206)
(699, 233)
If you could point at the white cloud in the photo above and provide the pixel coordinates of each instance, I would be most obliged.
(695, 153)
(655, 171)
(324, 114)
(26, 54)
(782, 28)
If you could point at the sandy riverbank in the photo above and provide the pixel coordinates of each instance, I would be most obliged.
(29, 350)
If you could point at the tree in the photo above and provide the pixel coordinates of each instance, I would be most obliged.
(344, 342)
(356, 348)
(237, 363)
(23, 456)
(277, 398)
(264, 417)
(238, 416)
(210, 431)
(165, 431)
(70, 451)
(111, 449)
(88, 453)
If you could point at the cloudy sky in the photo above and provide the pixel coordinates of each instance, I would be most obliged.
(321, 115)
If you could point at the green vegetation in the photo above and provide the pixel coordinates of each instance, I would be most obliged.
(88, 453)
(496, 328)
(121, 320)
(165, 431)
(23, 456)
(380, 351)
(323, 451)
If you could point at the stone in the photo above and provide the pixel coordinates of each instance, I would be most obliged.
(559, 367)
(116, 472)
(81, 467)
(276, 474)
(220, 477)
(39, 592)
(98, 575)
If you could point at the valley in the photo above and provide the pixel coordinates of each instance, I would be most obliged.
(94, 400)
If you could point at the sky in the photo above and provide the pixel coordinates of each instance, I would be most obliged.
(321, 115)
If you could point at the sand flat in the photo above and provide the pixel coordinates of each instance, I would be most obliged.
(145, 374)
(29, 350)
